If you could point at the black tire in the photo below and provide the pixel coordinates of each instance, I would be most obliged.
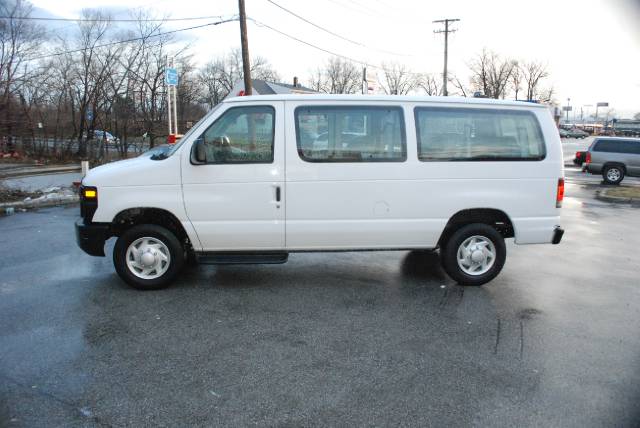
(159, 233)
(449, 254)
(610, 172)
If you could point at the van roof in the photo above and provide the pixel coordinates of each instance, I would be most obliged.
(384, 98)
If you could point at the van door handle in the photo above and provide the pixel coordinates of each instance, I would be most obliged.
(277, 193)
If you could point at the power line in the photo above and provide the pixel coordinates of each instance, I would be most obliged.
(331, 32)
(134, 39)
(262, 24)
(30, 18)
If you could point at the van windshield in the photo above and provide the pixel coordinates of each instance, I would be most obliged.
(186, 136)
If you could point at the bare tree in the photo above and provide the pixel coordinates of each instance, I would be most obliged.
(189, 108)
(338, 76)
(231, 69)
(546, 95)
(398, 80)
(460, 88)
(93, 66)
(491, 74)
(430, 84)
(636, 116)
(19, 39)
(210, 78)
(534, 73)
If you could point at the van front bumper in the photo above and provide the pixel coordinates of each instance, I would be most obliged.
(91, 237)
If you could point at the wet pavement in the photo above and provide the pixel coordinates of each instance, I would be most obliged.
(371, 338)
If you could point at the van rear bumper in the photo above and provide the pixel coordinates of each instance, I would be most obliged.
(91, 237)
(537, 230)
(557, 235)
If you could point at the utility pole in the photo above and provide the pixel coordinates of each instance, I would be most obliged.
(365, 84)
(246, 65)
(446, 32)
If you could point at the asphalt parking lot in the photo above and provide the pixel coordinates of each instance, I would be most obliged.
(364, 339)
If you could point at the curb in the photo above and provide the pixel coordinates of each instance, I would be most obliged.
(7, 208)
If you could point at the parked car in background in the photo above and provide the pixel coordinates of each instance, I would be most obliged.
(614, 157)
(563, 133)
(103, 135)
(576, 133)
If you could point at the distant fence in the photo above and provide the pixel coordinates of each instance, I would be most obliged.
(69, 148)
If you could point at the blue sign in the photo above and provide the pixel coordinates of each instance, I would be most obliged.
(171, 77)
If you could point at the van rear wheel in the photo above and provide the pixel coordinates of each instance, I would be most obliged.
(474, 254)
(148, 257)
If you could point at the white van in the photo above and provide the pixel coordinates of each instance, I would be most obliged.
(263, 176)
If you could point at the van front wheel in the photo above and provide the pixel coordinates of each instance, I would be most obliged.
(474, 254)
(148, 257)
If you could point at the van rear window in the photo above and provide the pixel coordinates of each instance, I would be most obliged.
(466, 134)
(350, 134)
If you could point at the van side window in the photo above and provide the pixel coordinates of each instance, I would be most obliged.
(350, 134)
(466, 134)
(241, 135)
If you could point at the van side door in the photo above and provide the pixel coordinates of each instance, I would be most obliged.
(345, 167)
(234, 200)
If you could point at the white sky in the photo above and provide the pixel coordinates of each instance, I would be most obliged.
(592, 47)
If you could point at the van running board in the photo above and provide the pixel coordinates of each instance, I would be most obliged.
(241, 258)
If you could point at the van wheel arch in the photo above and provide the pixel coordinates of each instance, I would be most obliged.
(495, 218)
(131, 217)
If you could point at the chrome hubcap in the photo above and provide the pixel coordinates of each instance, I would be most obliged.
(148, 258)
(476, 255)
(613, 174)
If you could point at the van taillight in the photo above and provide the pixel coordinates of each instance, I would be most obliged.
(560, 193)
(587, 159)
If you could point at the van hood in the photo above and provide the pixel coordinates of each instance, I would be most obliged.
(139, 171)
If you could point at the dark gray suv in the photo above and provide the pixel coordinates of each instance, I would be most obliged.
(614, 158)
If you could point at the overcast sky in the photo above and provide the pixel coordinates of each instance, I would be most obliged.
(592, 47)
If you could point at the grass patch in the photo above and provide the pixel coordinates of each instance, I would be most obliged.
(627, 192)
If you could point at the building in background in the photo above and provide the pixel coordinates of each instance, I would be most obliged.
(263, 87)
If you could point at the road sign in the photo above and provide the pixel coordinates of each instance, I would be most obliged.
(171, 76)
(602, 105)
(567, 108)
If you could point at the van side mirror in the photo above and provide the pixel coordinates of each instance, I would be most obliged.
(199, 151)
